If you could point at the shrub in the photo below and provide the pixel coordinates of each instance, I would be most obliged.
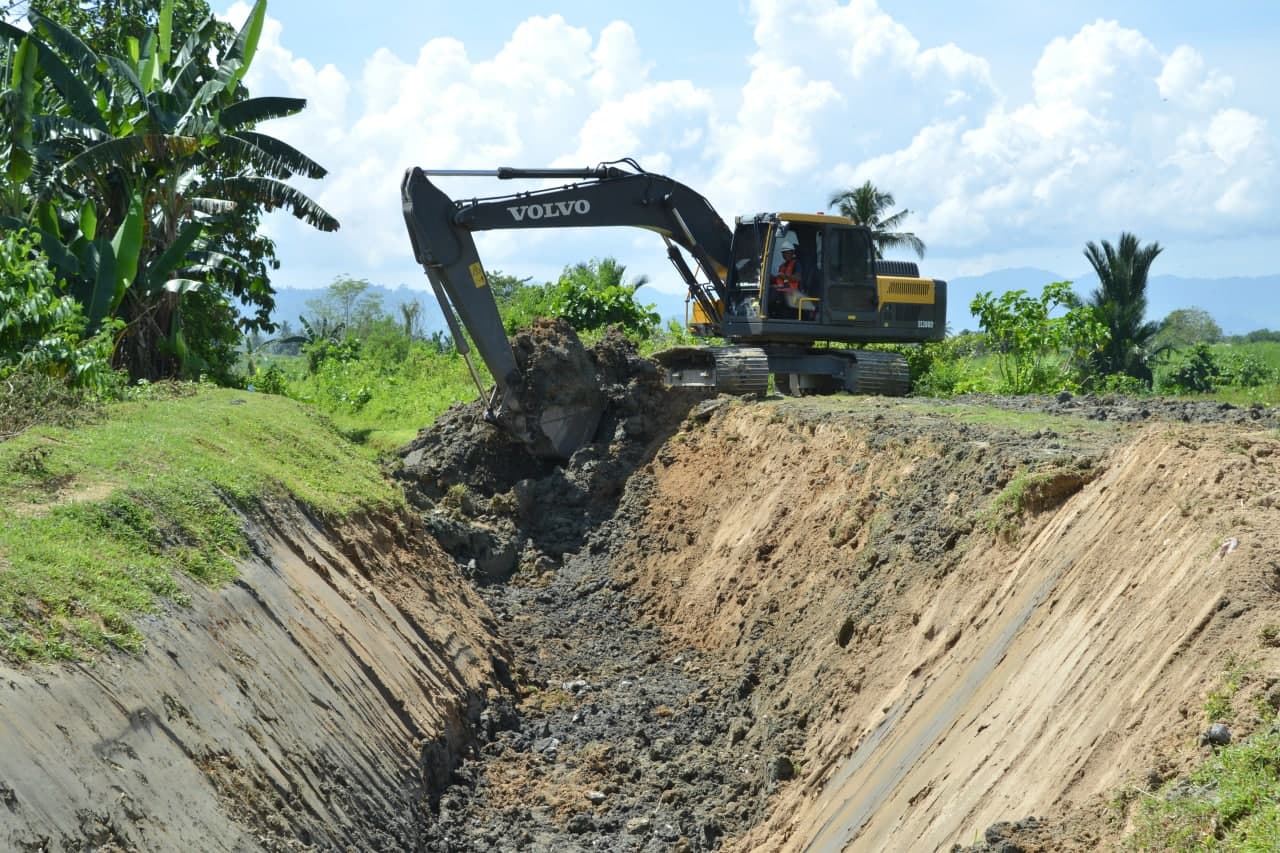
(1118, 383)
(1026, 337)
(41, 328)
(1243, 369)
(1196, 372)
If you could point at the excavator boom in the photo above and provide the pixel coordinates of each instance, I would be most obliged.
(440, 231)
(837, 292)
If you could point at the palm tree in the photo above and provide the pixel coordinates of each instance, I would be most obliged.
(150, 178)
(1121, 304)
(866, 205)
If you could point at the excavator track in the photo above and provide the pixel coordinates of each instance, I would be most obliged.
(729, 370)
(883, 373)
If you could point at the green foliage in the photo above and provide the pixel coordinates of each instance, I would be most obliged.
(30, 306)
(519, 302)
(674, 334)
(1196, 372)
(369, 392)
(1218, 704)
(1243, 369)
(269, 380)
(40, 328)
(1261, 336)
(1004, 514)
(1186, 327)
(867, 205)
(328, 352)
(1024, 334)
(1118, 383)
(1121, 305)
(154, 487)
(129, 131)
(592, 295)
(1231, 802)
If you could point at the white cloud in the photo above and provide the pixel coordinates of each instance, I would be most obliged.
(1185, 78)
(1117, 132)
(1115, 136)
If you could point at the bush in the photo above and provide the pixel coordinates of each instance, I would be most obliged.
(593, 295)
(269, 380)
(1118, 383)
(1196, 372)
(1028, 339)
(949, 377)
(1243, 369)
(323, 350)
(41, 328)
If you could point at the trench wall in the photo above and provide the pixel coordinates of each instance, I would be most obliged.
(946, 677)
(317, 700)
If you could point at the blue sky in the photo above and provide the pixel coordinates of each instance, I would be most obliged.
(1015, 132)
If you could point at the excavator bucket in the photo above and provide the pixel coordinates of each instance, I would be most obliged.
(558, 398)
(569, 428)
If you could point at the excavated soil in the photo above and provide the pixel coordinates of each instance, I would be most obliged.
(828, 624)
(724, 624)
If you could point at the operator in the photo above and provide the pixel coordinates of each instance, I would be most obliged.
(786, 282)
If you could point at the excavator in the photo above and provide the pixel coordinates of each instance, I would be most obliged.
(774, 289)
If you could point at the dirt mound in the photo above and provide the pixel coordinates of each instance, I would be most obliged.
(977, 621)
(498, 503)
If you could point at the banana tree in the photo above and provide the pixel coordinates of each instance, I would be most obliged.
(157, 145)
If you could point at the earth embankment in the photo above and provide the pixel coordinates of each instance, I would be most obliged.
(319, 702)
(970, 622)
(806, 624)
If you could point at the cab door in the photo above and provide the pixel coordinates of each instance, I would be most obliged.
(851, 297)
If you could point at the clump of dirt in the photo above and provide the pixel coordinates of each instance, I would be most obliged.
(499, 504)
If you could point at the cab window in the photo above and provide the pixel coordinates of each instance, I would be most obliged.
(849, 256)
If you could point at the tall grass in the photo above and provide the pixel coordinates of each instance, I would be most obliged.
(384, 401)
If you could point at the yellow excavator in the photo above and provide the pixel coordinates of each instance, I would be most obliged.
(775, 288)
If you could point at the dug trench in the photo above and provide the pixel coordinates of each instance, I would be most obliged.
(789, 624)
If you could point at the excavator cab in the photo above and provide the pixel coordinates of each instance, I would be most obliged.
(810, 277)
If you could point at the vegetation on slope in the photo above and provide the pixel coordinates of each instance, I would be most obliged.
(98, 525)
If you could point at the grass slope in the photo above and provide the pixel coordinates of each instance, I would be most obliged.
(97, 522)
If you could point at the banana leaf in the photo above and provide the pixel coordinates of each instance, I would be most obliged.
(173, 257)
(96, 289)
(127, 246)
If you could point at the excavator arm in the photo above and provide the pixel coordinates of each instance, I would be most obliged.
(605, 196)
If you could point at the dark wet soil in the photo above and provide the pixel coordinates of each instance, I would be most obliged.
(615, 739)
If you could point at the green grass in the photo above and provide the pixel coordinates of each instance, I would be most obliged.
(1231, 802)
(97, 522)
(383, 402)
